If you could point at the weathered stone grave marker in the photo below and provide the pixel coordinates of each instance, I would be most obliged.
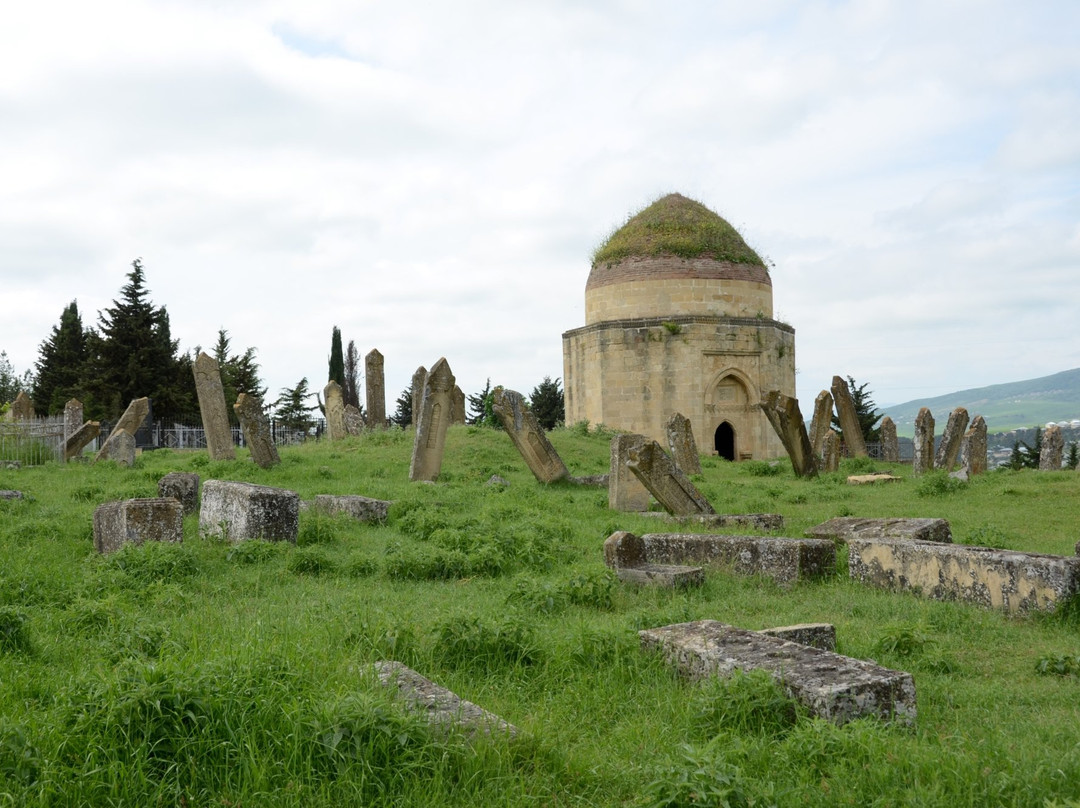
(136, 521)
(335, 411)
(376, 389)
(784, 415)
(951, 438)
(528, 436)
(680, 438)
(362, 509)
(73, 417)
(434, 418)
(820, 424)
(626, 554)
(236, 511)
(182, 486)
(129, 422)
(418, 379)
(1053, 446)
(625, 491)
(922, 459)
(849, 418)
(82, 437)
(212, 408)
(672, 489)
(256, 429)
(457, 416)
(119, 448)
(830, 451)
(22, 408)
(354, 421)
(890, 444)
(973, 448)
(843, 528)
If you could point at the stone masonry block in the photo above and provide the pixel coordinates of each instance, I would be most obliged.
(843, 528)
(818, 635)
(182, 486)
(137, 521)
(360, 508)
(236, 511)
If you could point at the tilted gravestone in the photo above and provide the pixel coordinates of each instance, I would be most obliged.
(625, 491)
(820, 424)
(672, 489)
(376, 389)
(335, 411)
(256, 428)
(784, 415)
(182, 486)
(212, 408)
(78, 441)
(73, 417)
(922, 459)
(354, 421)
(236, 511)
(890, 444)
(830, 451)
(130, 421)
(434, 418)
(680, 438)
(457, 416)
(136, 521)
(973, 448)
(849, 418)
(418, 379)
(528, 436)
(1053, 446)
(951, 439)
(22, 408)
(119, 448)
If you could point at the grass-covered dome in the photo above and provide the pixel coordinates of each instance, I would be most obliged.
(675, 225)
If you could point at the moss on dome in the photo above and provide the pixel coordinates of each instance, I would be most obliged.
(675, 225)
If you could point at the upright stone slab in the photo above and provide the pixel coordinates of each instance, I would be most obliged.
(973, 447)
(22, 408)
(212, 408)
(73, 417)
(528, 436)
(890, 444)
(256, 429)
(680, 438)
(834, 687)
(951, 438)
(335, 411)
(841, 529)
(235, 511)
(130, 421)
(376, 389)
(119, 448)
(430, 440)
(457, 416)
(1053, 446)
(672, 489)
(849, 418)
(182, 486)
(830, 451)
(75, 444)
(922, 459)
(362, 509)
(821, 423)
(418, 379)
(784, 415)
(354, 421)
(136, 521)
(625, 491)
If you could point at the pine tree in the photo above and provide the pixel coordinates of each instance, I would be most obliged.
(865, 411)
(10, 381)
(290, 410)
(403, 414)
(478, 409)
(351, 388)
(60, 363)
(337, 359)
(1072, 460)
(546, 403)
(239, 373)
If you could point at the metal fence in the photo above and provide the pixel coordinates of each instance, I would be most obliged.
(175, 435)
(32, 442)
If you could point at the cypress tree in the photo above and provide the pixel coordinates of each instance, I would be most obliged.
(337, 359)
(351, 388)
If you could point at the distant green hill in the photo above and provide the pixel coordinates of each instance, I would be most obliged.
(1004, 406)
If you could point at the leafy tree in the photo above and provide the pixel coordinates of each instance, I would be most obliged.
(60, 363)
(290, 409)
(337, 359)
(480, 413)
(403, 414)
(865, 411)
(10, 381)
(546, 403)
(351, 387)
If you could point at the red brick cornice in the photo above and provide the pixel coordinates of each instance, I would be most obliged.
(670, 267)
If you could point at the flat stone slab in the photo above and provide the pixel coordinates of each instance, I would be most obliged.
(237, 511)
(831, 686)
(666, 575)
(817, 635)
(442, 708)
(998, 579)
(757, 521)
(843, 528)
(592, 480)
(362, 509)
(9, 494)
(870, 479)
(134, 521)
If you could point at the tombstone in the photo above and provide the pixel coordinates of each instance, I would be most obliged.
(625, 491)
(335, 411)
(849, 419)
(840, 529)
(234, 511)
(362, 509)
(1053, 445)
(755, 521)
(418, 379)
(9, 494)
(672, 489)
(625, 554)
(354, 421)
(830, 451)
(212, 408)
(73, 417)
(973, 447)
(680, 438)
(784, 415)
(890, 445)
(136, 521)
(922, 459)
(528, 437)
(22, 408)
(256, 429)
(951, 438)
(182, 486)
(376, 389)
(74, 445)
(120, 448)
(434, 418)
(816, 635)
(457, 412)
(130, 422)
(820, 424)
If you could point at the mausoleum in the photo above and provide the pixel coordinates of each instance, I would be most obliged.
(679, 318)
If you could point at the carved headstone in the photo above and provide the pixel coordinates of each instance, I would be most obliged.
(890, 445)
(784, 415)
(1052, 447)
(951, 438)
(418, 379)
(376, 389)
(256, 428)
(973, 448)
(820, 424)
(830, 451)
(74, 445)
(119, 448)
(434, 418)
(335, 411)
(922, 459)
(528, 436)
(672, 489)
(680, 438)
(137, 521)
(129, 422)
(849, 419)
(457, 413)
(625, 491)
(212, 408)
(354, 421)
(73, 417)
(22, 408)
(183, 486)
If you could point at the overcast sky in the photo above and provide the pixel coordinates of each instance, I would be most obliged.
(432, 177)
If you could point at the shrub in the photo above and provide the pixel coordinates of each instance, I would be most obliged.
(903, 640)
(937, 484)
(469, 642)
(1058, 665)
(310, 562)
(746, 703)
(759, 468)
(698, 777)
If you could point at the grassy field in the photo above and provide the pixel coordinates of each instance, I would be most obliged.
(208, 674)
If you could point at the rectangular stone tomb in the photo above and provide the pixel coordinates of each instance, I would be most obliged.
(136, 521)
(625, 553)
(757, 521)
(441, 707)
(236, 511)
(182, 486)
(360, 508)
(998, 579)
(843, 528)
(818, 635)
(831, 686)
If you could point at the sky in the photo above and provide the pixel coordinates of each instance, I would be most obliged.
(433, 177)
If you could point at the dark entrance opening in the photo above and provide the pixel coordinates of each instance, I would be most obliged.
(724, 441)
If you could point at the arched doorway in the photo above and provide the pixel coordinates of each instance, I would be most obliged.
(724, 441)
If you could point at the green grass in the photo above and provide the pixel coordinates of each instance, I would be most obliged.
(214, 674)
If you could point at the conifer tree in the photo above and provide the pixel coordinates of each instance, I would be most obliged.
(239, 373)
(290, 409)
(350, 390)
(337, 359)
(403, 414)
(478, 408)
(546, 403)
(60, 364)
(865, 411)
(10, 381)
